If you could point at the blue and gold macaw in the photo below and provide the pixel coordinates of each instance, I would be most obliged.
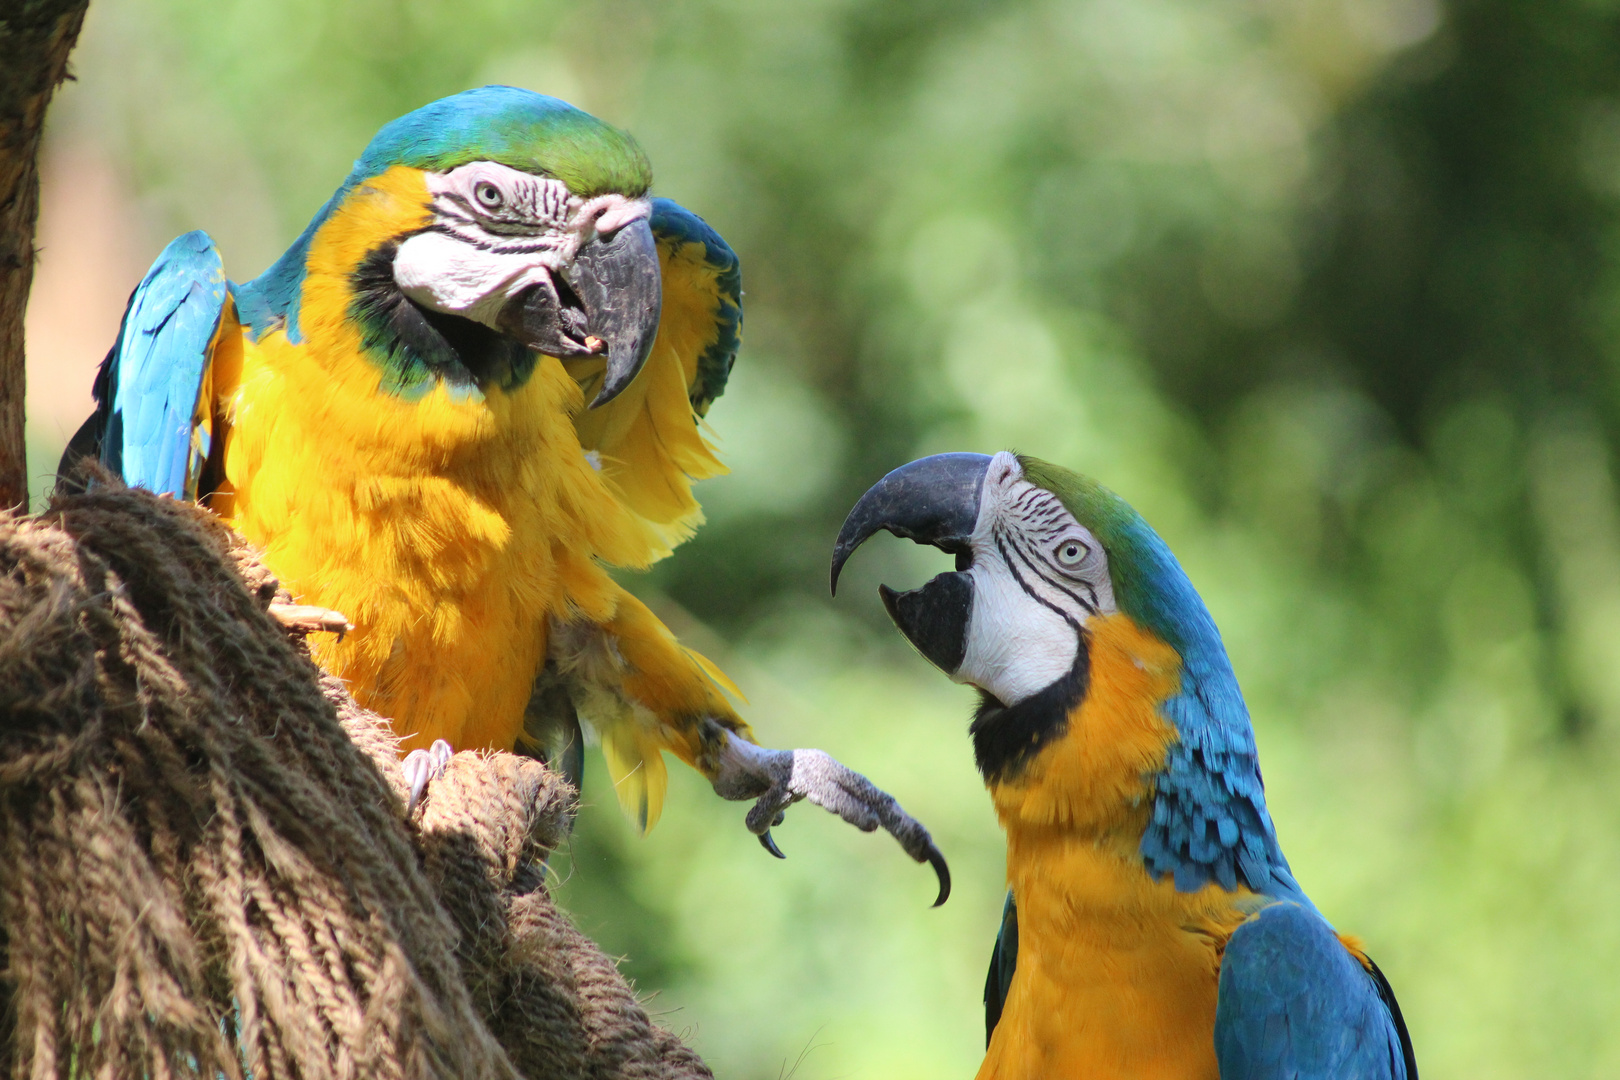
(395, 413)
(1153, 928)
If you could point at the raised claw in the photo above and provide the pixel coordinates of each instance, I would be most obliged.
(423, 766)
(776, 779)
(853, 797)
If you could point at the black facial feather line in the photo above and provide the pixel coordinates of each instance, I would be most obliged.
(1007, 737)
(415, 346)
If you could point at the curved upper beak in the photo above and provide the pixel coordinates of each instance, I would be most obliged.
(607, 301)
(933, 500)
(620, 286)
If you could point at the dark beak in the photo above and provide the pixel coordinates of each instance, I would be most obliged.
(934, 501)
(606, 302)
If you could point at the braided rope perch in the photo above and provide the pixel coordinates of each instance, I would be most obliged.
(205, 867)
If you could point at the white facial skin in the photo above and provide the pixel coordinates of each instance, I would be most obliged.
(496, 232)
(1038, 576)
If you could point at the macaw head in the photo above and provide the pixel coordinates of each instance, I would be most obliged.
(529, 229)
(1041, 552)
(1048, 562)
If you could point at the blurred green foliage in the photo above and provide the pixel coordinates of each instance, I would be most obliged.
(1330, 289)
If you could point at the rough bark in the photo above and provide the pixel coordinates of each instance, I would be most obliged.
(35, 39)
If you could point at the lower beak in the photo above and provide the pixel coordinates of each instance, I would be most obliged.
(934, 500)
(607, 301)
(935, 618)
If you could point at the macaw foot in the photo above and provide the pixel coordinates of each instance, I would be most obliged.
(776, 779)
(423, 766)
(309, 619)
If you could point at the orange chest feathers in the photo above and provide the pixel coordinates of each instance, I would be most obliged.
(1116, 973)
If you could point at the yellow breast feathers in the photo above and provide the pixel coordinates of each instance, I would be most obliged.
(448, 528)
(1116, 972)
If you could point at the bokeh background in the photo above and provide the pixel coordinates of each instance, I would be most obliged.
(1330, 289)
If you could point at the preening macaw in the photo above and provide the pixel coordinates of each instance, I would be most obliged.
(395, 413)
(1153, 928)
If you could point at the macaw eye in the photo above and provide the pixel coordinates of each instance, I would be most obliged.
(1071, 553)
(488, 195)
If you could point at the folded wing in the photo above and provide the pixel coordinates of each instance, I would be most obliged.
(154, 423)
(1296, 1004)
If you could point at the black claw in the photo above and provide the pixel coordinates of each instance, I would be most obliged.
(943, 872)
(769, 845)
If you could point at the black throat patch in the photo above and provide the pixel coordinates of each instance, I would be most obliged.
(1006, 737)
(416, 347)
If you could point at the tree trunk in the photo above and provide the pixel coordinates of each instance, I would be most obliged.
(35, 39)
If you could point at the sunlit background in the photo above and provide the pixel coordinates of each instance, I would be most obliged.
(1329, 289)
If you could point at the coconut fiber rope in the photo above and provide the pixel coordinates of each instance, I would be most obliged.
(205, 865)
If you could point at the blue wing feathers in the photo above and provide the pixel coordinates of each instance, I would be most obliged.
(1294, 1004)
(152, 377)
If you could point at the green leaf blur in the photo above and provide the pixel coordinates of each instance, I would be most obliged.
(1329, 289)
